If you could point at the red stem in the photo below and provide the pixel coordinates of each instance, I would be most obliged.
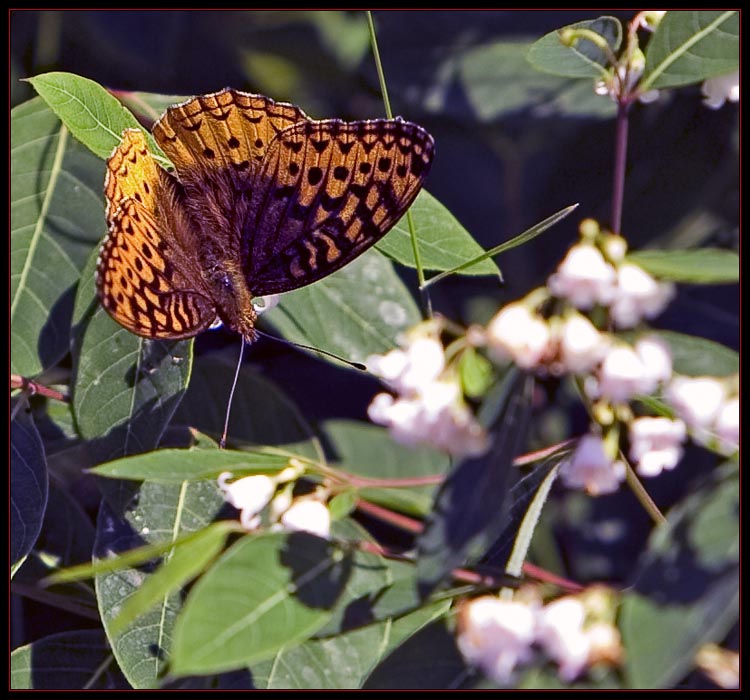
(621, 151)
(31, 387)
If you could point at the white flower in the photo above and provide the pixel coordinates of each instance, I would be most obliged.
(559, 629)
(637, 296)
(496, 635)
(581, 345)
(434, 416)
(591, 469)
(721, 88)
(407, 370)
(721, 665)
(518, 334)
(697, 401)
(656, 358)
(266, 303)
(656, 444)
(601, 87)
(249, 494)
(624, 375)
(615, 247)
(605, 644)
(307, 516)
(727, 426)
(648, 96)
(584, 278)
(626, 372)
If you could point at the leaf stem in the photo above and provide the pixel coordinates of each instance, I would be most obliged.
(642, 495)
(31, 387)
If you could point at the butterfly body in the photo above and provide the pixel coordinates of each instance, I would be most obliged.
(263, 200)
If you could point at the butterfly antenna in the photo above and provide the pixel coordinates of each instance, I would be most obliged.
(223, 441)
(284, 341)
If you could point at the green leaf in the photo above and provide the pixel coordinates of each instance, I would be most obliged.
(690, 46)
(261, 413)
(476, 373)
(367, 575)
(695, 357)
(514, 242)
(66, 661)
(401, 603)
(443, 243)
(156, 514)
(367, 450)
(93, 115)
(686, 587)
(344, 34)
(428, 659)
(181, 565)
(126, 388)
(335, 663)
(698, 266)
(28, 483)
(349, 645)
(499, 82)
(406, 626)
(175, 466)
(400, 597)
(582, 60)
(526, 500)
(264, 593)
(342, 504)
(357, 311)
(56, 217)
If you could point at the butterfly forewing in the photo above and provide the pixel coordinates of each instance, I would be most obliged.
(226, 129)
(327, 191)
(146, 274)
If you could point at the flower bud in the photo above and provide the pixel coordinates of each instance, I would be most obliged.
(249, 494)
(308, 516)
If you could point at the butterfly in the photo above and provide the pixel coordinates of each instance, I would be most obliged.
(262, 200)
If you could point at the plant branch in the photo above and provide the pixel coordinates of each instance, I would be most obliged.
(621, 151)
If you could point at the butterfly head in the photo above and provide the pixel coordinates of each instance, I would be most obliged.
(233, 299)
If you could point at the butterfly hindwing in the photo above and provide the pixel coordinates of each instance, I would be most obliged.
(325, 192)
(146, 272)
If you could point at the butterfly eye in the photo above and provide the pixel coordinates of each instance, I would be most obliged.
(220, 278)
(226, 282)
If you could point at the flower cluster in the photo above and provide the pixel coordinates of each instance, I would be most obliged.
(705, 409)
(710, 408)
(255, 495)
(428, 406)
(552, 332)
(585, 279)
(575, 632)
(595, 278)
